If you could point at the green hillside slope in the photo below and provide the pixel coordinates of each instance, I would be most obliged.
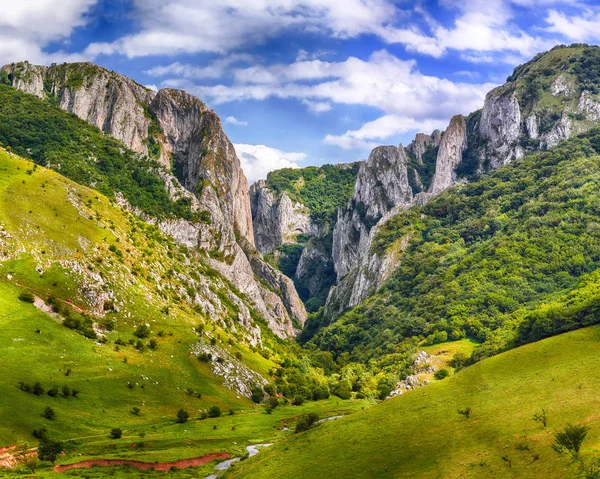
(421, 435)
(496, 260)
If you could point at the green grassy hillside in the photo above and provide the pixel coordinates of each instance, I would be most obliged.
(116, 318)
(421, 435)
(497, 260)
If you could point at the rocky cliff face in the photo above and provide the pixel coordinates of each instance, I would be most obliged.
(277, 220)
(543, 103)
(183, 135)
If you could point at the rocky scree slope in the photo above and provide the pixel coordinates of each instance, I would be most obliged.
(186, 138)
(547, 100)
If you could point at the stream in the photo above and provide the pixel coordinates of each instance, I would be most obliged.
(224, 465)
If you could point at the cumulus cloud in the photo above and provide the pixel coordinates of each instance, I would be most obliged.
(258, 160)
(27, 26)
(382, 128)
(232, 120)
(583, 27)
(409, 100)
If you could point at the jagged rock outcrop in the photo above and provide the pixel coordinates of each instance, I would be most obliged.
(422, 142)
(180, 133)
(277, 220)
(452, 146)
(382, 183)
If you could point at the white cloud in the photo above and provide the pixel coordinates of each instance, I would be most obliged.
(232, 120)
(152, 87)
(409, 100)
(258, 160)
(382, 128)
(27, 26)
(317, 107)
(216, 69)
(584, 27)
(189, 26)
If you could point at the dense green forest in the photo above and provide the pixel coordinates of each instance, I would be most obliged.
(322, 189)
(508, 259)
(51, 137)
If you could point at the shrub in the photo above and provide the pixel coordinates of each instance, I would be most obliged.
(66, 392)
(27, 297)
(204, 357)
(306, 422)
(75, 392)
(135, 411)
(182, 416)
(343, 389)
(37, 389)
(541, 417)
(231, 412)
(116, 433)
(142, 331)
(49, 413)
(53, 392)
(570, 439)
(257, 394)
(153, 344)
(298, 401)
(441, 374)
(465, 412)
(41, 433)
(49, 450)
(214, 411)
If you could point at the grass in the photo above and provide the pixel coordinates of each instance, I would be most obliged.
(420, 434)
(61, 239)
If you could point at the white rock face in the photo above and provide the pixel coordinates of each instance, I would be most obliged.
(422, 142)
(501, 126)
(209, 171)
(277, 221)
(382, 183)
(452, 147)
(563, 85)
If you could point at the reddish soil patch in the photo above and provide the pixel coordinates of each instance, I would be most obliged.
(4, 450)
(157, 466)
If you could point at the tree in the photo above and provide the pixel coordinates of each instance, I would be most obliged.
(37, 389)
(116, 433)
(49, 413)
(570, 439)
(541, 417)
(49, 450)
(214, 411)
(182, 416)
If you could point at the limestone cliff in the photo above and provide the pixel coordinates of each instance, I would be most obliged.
(186, 138)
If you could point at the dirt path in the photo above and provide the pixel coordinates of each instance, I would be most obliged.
(157, 466)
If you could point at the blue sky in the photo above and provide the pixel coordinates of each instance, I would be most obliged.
(305, 82)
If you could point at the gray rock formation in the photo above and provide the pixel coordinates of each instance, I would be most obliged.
(177, 130)
(382, 183)
(452, 146)
(422, 142)
(277, 220)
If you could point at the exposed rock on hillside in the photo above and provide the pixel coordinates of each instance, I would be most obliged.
(452, 146)
(182, 134)
(277, 221)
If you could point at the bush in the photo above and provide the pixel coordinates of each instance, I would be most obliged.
(570, 439)
(53, 392)
(465, 412)
(37, 389)
(441, 374)
(214, 411)
(41, 433)
(49, 413)
(343, 389)
(306, 422)
(142, 331)
(182, 416)
(66, 392)
(135, 411)
(49, 450)
(27, 297)
(257, 394)
(116, 433)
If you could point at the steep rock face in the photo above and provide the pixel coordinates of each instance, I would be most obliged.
(277, 221)
(419, 145)
(452, 146)
(103, 98)
(500, 126)
(179, 131)
(382, 183)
